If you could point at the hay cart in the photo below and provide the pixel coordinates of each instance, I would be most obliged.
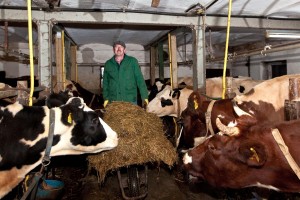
(141, 141)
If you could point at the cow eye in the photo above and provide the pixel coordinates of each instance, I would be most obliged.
(95, 121)
(211, 147)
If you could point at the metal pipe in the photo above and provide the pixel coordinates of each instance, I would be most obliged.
(211, 4)
(226, 50)
(30, 44)
(6, 37)
(281, 47)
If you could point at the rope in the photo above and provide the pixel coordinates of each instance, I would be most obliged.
(212, 98)
(285, 150)
(208, 118)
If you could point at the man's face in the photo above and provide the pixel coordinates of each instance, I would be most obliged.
(119, 50)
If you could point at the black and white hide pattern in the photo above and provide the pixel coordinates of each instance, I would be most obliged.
(24, 132)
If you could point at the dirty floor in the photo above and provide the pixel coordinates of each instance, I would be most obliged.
(163, 184)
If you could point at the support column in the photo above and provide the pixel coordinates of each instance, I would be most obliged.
(173, 61)
(45, 52)
(161, 61)
(74, 63)
(199, 60)
(153, 59)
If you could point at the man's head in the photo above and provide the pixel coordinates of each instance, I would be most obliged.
(119, 43)
(119, 48)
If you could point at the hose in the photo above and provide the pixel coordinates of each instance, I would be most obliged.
(30, 51)
(226, 51)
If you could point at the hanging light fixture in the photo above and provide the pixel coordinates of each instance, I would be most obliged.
(283, 34)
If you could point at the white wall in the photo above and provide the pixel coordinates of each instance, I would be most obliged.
(256, 63)
(91, 56)
(16, 69)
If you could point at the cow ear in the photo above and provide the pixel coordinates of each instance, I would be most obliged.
(176, 94)
(253, 154)
(75, 107)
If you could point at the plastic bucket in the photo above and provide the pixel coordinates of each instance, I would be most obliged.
(50, 190)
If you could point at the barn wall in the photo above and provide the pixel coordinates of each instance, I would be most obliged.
(256, 62)
(91, 57)
(16, 69)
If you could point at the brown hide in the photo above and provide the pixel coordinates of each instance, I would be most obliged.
(249, 159)
(265, 101)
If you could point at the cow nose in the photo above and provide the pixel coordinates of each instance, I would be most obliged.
(187, 159)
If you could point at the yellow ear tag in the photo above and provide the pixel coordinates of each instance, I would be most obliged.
(195, 104)
(70, 118)
(255, 155)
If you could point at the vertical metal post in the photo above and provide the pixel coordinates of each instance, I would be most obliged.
(152, 65)
(199, 60)
(161, 61)
(44, 52)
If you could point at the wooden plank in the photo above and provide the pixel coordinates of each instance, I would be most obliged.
(155, 3)
(23, 96)
(8, 93)
(294, 88)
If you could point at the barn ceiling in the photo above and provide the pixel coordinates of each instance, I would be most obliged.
(286, 12)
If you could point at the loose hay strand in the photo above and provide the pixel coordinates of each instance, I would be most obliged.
(141, 140)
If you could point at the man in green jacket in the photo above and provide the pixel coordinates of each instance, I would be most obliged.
(122, 76)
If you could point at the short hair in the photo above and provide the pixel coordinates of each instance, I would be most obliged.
(119, 42)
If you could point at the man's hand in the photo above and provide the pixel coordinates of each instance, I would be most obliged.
(145, 104)
(105, 103)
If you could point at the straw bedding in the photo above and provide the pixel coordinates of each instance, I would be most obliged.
(141, 140)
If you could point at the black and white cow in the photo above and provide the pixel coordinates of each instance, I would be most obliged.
(24, 132)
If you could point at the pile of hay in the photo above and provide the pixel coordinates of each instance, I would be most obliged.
(141, 139)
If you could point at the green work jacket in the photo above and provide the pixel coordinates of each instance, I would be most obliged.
(120, 82)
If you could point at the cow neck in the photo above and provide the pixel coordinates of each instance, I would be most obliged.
(285, 150)
(45, 162)
(208, 118)
(46, 157)
(178, 108)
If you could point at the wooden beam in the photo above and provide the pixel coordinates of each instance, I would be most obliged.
(155, 3)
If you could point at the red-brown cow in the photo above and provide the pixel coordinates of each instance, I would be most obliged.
(251, 157)
(265, 101)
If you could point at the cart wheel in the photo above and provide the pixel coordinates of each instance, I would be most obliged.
(133, 181)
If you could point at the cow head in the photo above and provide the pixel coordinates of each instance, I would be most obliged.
(168, 101)
(250, 158)
(224, 156)
(77, 130)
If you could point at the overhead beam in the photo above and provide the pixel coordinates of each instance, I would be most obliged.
(146, 19)
(217, 21)
(99, 17)
(163, 38)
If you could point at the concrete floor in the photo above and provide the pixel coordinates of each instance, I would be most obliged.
(163, 184)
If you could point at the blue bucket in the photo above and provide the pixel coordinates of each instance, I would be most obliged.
(50, 189)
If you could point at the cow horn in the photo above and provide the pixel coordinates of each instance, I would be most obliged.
(238, 110)
(231, 131)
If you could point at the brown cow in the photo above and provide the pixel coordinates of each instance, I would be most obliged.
(250, 158)
(265, 101)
